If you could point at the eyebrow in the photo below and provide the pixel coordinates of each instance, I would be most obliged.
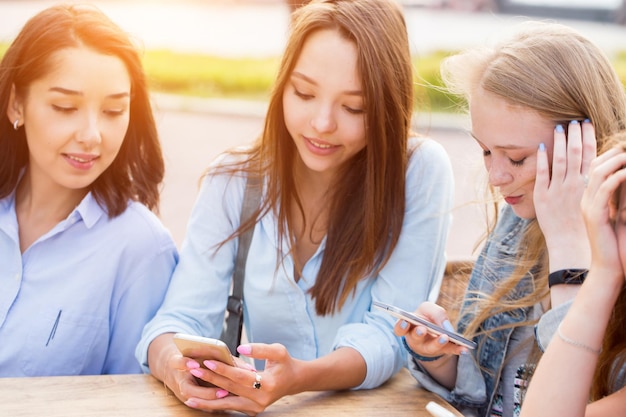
(69, 92)
(312, 81)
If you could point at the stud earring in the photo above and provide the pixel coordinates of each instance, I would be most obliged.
(16, 124)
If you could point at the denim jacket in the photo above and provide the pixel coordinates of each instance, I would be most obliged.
(478, 372)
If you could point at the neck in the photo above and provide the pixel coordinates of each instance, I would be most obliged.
(42, 201)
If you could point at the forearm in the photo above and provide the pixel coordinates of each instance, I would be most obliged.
(443, 370)
(561, 383)
(341, 369)
(160, 350)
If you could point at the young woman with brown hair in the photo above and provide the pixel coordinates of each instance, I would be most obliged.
(354, 209)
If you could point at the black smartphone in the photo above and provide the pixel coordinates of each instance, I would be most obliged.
(421, 321)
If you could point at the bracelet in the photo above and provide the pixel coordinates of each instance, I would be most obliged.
(575, 343)
(417, 355)
(567, 276)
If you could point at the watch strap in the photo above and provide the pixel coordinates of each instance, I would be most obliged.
(567, 276)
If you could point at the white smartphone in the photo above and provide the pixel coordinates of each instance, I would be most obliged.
(203, 348)
(421, 321)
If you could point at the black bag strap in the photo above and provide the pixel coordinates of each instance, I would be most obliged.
(231, 334)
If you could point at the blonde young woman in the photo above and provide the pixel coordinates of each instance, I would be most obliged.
(588, 355)
(354, 210)
(538, 102)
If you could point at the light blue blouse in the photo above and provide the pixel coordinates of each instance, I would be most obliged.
(279, 309)
(76, 300)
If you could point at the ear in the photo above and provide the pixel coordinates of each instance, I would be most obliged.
(15, 109)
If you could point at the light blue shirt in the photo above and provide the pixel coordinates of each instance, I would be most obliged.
(279, 309)
(76, 300)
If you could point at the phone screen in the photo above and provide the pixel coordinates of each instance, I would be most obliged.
(421, 321)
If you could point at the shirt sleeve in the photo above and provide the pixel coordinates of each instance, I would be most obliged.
(414, 271)
(548, 323)
(144, 277)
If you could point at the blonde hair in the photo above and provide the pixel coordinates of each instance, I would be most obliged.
(554, 70)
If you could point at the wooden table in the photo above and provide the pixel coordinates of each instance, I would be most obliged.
(144, 396)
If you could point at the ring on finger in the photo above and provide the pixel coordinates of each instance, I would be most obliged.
(257, 382)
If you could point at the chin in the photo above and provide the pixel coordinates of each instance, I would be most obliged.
(524, 212)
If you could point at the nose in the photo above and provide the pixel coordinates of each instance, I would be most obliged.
(89, 131)
(323, 119)
(498, 174)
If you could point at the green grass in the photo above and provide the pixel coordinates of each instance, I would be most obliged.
(209, 76)
(251, 78)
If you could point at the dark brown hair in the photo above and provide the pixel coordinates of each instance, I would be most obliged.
(138, 169)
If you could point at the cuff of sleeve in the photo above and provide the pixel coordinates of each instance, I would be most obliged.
(548, 323)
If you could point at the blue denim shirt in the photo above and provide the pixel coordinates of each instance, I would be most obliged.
(478, 373)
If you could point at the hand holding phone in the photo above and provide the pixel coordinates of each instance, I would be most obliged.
(203, 348)
(421, 321)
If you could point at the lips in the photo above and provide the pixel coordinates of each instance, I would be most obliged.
(512, 200)
(319, 144)
(319, 147)
(81, 161)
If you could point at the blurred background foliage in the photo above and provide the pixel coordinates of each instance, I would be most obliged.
(208, 76)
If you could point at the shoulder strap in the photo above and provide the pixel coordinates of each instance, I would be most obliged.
(231, 334)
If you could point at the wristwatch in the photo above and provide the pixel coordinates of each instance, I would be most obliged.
(567, 276)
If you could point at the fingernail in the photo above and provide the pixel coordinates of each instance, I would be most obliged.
(244, 349)
(574, 122)
(442, 340)
(221, 393)
(404, 324)
(196, 373)
(464, 352)
(542, 147)
(192, 365)
(559, 128)
(191, 403)
(210, 365)
(249, 367)
(448, 326)
(586, 121)
(419, 332)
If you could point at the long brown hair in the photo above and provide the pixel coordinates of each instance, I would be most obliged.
(368, 198)
(138, 169)
(555, 71)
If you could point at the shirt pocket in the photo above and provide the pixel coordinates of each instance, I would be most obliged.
(62, 342)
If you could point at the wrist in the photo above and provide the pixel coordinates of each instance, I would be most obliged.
(416, 355)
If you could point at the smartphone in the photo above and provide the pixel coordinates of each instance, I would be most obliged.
(421, 321)
(203, 348)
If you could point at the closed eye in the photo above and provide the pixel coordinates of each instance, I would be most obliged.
(63, 109)
(115, 112)
(302, 95)
(517, 163)
(353, 110)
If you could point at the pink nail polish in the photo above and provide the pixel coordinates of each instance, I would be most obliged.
(244, 349)
(221, 393)
(196, 372)
(192, 365)
(210, 365)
